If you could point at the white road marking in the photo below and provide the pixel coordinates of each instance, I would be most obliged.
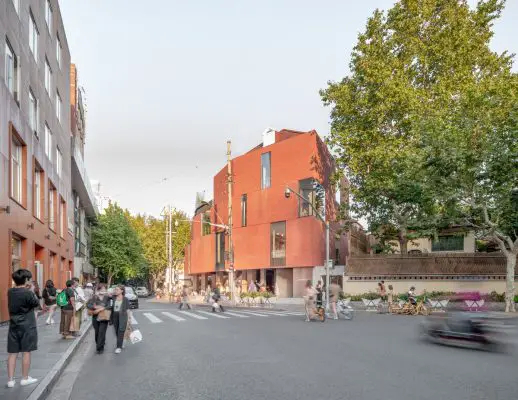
(193, 315)
(133, 320)
(212, 314)
(236, 315)
(252, 313)
(172, 316)
(152, 318)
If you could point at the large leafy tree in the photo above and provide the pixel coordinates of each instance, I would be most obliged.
(116, 247)
(425, 123)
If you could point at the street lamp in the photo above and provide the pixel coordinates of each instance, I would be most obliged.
(287, 194)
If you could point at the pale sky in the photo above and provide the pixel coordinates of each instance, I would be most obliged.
(167, 82)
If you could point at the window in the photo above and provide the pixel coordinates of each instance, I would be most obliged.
(33, 36)
(307, 190)
(337, 256)
(58, 106)
(17, 167)
(265, 171)
(243, 209)
(448, 243)
(16, 252)
(16, 4)
(48, 15)
(59, 162)
(33, 112)
(58, 51)
(220, 250)
(205, 225)
(48, 142)
(278, 243)
(52, 207)
(48, 76)
(38, 192)
(11, 70)
(62, 217)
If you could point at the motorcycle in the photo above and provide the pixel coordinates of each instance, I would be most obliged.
(464, 329)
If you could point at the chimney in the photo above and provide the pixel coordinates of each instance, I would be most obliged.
(268, 137)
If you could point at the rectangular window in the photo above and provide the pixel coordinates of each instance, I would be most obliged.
(12, 70)
(16, 4)
(17, 170)
(62, 217)
(265, 170)
(58, 106)
(243, 209)
(38, 192)
(58, 51)
(52, 207)
(33, 36)
(48, 15)
(33, 113)
(220, 250)
(278, 243)
(307, 190)
(59, 162)
(48, 142)
(205, 228)
(16, 252)
(48, 76)
(448, 243)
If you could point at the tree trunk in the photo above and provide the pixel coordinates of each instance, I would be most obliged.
(509, 287)
(110, 277)
(403, 241)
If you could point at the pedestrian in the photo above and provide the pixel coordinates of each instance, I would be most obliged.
(185, 298)
(382, 291)
(66, 300)
(319, 290)
(80, 302)
(89, 293)
(216, 297)
(251, 287)
(37, 293)
(334, 294)
(309, 300)
(22, 336)
(99, 307)
(120, 315)
(49, 297)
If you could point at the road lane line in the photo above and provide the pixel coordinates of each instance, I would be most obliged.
(133, 320)
(152, 318)
(172, 316)
(236, 315)
(193, 315)
(212, 314)
(251, 313)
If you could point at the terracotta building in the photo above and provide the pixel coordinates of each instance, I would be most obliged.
(277, 241)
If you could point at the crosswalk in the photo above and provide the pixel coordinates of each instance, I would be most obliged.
(159, 317)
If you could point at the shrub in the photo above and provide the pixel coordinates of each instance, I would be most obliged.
(516, 299)
(244, 295)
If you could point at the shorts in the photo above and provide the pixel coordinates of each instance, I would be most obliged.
(22, 340)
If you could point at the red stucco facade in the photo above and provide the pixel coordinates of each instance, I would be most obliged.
(294, 156)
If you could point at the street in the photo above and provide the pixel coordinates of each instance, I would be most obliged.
(276, 355)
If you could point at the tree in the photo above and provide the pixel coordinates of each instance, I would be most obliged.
(429, 107)
(116, 248)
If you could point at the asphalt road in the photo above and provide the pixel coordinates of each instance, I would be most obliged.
(282, 357)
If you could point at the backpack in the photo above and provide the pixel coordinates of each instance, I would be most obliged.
(62, 299)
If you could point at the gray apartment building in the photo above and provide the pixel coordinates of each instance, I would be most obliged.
(37, 200)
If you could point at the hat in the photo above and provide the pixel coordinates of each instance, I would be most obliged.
(89, 285)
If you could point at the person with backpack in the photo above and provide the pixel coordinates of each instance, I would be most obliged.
(66, 301)
(49, 297)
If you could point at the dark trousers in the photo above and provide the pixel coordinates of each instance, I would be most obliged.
(182, 303)
(214, 306)
(100, 328)
(119, 330)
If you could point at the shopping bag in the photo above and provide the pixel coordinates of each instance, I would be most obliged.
(135, 336)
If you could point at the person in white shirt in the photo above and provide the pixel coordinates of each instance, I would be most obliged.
(79, 305)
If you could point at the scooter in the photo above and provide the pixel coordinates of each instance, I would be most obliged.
(344, 309)
(464, 329)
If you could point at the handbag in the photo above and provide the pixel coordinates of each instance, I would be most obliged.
(104, 315)
(135, 336)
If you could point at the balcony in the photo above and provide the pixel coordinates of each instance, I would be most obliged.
(80, 181)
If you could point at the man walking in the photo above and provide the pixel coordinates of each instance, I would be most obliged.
(66, 300)
(23, 334)
(80, 301)
(185, 298)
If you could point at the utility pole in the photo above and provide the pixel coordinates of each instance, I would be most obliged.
(170, 251)
(230, 244)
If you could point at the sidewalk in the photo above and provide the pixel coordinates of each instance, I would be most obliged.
(47, 362)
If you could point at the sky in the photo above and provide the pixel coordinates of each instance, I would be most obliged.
(168, 82)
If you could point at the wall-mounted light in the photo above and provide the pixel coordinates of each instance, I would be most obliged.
(30, 226)
(47, 236)
(6, 209)
(59, 244)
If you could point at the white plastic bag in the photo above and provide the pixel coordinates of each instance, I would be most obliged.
(135, 336)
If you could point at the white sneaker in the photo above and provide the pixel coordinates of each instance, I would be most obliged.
(11, 383)
(28, 381)
(118, 350)
(48, 322)
(52, 321)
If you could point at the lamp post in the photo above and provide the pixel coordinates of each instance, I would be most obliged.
(287, 194)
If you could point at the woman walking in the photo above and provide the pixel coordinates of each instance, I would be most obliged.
(49, 297)
(99, 308)
(120, 315)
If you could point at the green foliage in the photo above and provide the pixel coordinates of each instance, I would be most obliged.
(116, 248)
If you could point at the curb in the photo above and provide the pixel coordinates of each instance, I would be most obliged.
(46, 384)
